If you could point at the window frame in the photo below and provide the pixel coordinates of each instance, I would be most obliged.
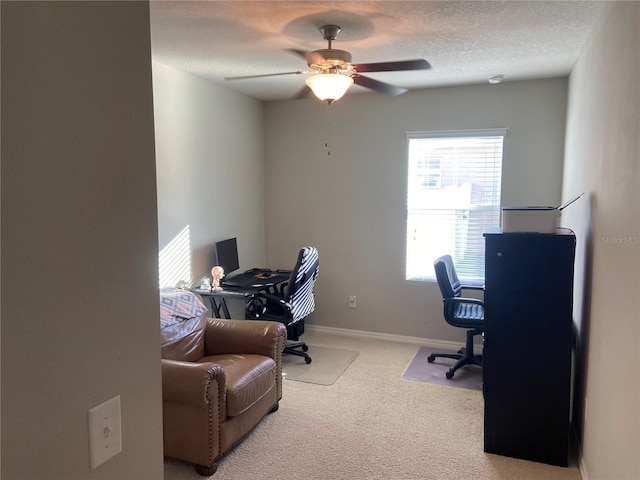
(423, 273)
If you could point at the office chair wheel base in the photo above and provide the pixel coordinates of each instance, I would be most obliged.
(307, 359)
(449, 374)
(305, 348)
(431, 358)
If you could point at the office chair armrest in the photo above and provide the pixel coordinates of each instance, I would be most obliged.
(467, 300)
(261, 303)
(272, 299)
(472, 287)
(282, 287)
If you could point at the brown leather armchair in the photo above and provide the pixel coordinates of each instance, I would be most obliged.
(219, 379)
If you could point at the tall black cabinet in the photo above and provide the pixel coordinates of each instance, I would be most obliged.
(527, 345)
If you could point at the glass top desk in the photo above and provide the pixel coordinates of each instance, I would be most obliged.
(263, 281)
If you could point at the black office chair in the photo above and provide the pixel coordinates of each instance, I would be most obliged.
(295, 301)
(458, 312)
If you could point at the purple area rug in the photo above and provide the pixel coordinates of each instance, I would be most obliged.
(420, 370)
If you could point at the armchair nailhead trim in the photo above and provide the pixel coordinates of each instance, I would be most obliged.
(278, 345)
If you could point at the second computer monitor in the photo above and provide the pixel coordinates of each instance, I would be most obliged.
(227, 255)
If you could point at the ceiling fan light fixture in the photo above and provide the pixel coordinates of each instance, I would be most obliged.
(329, 87)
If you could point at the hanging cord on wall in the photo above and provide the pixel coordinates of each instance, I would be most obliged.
(327, 118)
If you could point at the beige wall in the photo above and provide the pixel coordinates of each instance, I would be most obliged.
(603, 159)
(352, 204)
(79, 238)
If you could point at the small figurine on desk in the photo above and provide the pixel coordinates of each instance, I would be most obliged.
(217, 273)
(205, 283)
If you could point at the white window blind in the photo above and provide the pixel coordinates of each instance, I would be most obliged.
(453, 198)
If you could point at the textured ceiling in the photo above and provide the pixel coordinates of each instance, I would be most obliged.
(465, 41)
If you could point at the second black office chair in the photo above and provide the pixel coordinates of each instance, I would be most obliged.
(295, 302)
(459, 312)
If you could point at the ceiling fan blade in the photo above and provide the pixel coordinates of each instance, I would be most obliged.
(295, 51)
(265, 75)
(304, 92)
(310, 57)
(417, 64)
(385, 88)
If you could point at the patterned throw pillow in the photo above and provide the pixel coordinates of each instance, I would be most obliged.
(177, 305)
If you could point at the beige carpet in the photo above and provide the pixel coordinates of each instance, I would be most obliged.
(327, 364)
(371, 424)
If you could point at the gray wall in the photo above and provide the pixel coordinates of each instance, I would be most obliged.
(603, 159)
(352, 204)
(79, 238)
(209, 148)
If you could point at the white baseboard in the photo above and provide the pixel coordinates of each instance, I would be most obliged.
(426, 342)
(581, 465)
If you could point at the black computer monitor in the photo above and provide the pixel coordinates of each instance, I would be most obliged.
(227, 255)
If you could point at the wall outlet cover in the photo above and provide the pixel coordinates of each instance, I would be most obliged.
(105, 432)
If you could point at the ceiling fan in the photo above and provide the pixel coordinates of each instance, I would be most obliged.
(334, 73)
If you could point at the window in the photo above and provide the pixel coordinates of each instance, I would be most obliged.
(174, 260)
(453, 197)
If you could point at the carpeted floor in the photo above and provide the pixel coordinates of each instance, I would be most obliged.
(371, 424)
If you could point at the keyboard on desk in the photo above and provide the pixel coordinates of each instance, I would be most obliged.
(256, 278)
(240, 280)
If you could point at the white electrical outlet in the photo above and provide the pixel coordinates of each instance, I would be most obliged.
(105, 432)
(352, 301)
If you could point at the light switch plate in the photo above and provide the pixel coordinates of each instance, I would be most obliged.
(105, 432)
